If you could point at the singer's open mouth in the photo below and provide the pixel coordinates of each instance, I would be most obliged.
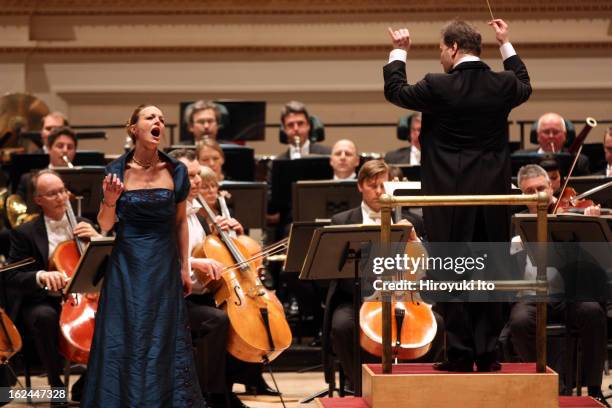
(155, 132)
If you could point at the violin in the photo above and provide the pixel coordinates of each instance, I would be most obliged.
(571, 200)
(565, 198)
(413, 324)
(77, 318)
(259, 331)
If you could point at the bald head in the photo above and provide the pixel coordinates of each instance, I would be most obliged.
(551, 132)
(344, 158)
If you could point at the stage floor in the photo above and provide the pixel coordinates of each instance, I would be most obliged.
(294, 386)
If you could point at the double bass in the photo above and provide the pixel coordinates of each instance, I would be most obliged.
(77, 318)
(259, 331)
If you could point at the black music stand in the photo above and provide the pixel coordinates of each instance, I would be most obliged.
(249, 201)
(300, 236)
(322, 199)
(285, 172)
(573, 229)
(520, 159)
(412, 173)
(585, 183)
(89, 273)
(335, 253)
(86, 182)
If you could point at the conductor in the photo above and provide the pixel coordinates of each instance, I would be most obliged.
(464, 150)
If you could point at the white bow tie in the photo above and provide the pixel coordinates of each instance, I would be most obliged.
(58, 225)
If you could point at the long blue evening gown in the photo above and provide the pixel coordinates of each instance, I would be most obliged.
(141, 354)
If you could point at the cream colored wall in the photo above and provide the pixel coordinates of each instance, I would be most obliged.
(97, 63)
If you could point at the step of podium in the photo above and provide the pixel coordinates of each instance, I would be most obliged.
(350, 402)
(516, 385)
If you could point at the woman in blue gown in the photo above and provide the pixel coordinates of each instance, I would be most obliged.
(141, 354)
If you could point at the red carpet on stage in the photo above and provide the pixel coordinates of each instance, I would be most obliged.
(350, 402)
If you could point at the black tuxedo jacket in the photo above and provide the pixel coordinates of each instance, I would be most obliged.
(464, 140)
(399, 156)
(28, 240)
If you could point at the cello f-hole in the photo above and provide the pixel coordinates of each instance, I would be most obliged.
(237, 292)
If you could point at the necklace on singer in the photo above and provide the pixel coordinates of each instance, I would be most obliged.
(145, 165)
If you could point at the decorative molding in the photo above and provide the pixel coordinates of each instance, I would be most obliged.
(539, 49)
(295, 7)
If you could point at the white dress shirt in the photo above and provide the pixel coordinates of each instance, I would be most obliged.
(196, 236)
(415, 156)
(609, 170)
(57, 232)
(295, 153)
(353, 176)
(370, 217)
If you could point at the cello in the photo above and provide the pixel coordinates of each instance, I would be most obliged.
(78, 311)
(10, 339)
(259, 331)
(413, 324)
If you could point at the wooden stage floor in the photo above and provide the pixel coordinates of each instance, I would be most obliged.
(294, 386)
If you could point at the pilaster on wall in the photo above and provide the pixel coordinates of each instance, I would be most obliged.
(96, 59)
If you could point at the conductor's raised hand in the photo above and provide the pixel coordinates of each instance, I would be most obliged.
(501, 30)
(112, 188)
(400, 38)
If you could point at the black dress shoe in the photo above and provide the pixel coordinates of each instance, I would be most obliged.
(260, 388)
(454, 366)
(488, 367)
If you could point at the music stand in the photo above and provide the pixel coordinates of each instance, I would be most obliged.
(285, 172)
(323, 199)
(300, 236)
(572, 229)
(585, 183)
(412, 173)
(520, 159)
(249, 201)
(89, 273)
(86, 182)
(239, 162)
(334, 253)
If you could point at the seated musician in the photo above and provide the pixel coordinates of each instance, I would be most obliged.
(588, 319)
(49, 122)
(339, 321)
(607, 147)
(62, 141)
(552, 136)
(554, 175)
(411, 154)
(344, 160)
(208, 322)
(210, 154)
(33, 305)
(202, 119)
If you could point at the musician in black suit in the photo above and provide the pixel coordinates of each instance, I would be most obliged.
(412, 154)
(296, 123)
(586, 319)
(464, 150)
(339, 325)
(30, 288)
(552, 136)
